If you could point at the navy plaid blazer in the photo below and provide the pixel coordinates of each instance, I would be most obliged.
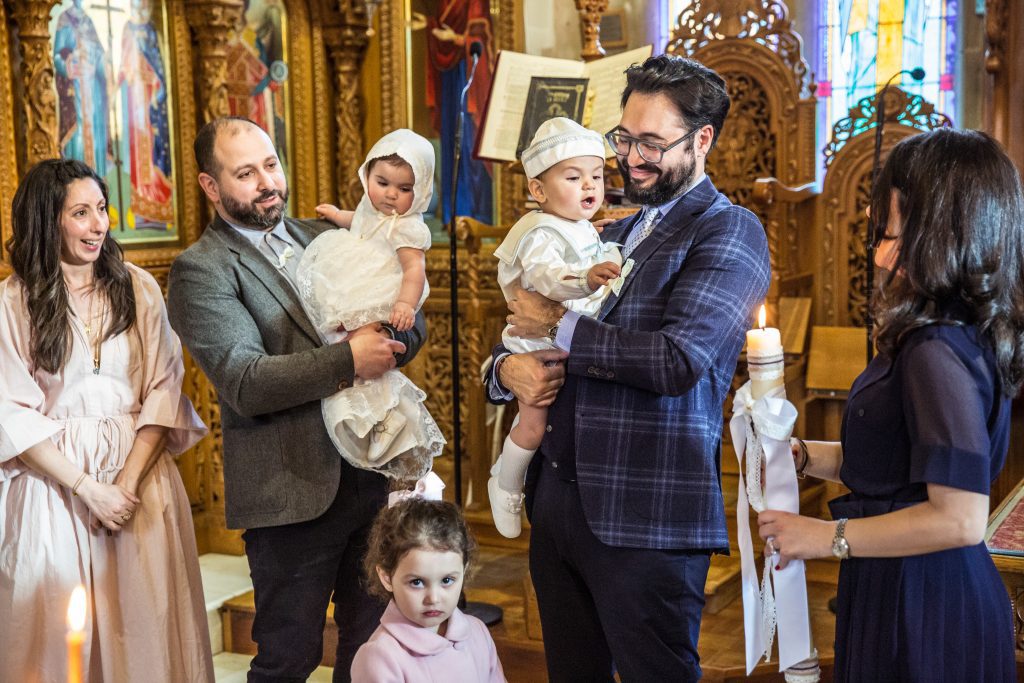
(641, 411)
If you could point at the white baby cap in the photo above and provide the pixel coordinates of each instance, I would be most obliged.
(558, 139)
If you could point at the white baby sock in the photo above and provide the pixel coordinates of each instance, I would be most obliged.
(514, 462)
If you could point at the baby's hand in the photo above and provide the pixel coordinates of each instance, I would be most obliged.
(329, 212)
(402, 316)
(602, 274)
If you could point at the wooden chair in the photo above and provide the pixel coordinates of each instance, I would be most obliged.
(837, 243)
(836, 216)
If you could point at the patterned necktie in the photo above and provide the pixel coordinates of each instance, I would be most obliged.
(643, 228)
(283, 256)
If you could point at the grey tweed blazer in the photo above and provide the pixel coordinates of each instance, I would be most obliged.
(245, 327)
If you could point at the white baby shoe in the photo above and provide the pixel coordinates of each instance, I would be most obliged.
(506, 509)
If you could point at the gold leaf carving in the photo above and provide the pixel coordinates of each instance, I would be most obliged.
(214, 23)
(37, 77)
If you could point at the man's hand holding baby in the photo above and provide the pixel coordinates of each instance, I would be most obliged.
(373, 351)
(533, 314)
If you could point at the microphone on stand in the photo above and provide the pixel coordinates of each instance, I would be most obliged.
(475, 50)
(485, 612)
(869, 322)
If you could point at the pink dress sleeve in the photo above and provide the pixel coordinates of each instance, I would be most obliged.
(163, 403)
(497, 673)
(22, 422)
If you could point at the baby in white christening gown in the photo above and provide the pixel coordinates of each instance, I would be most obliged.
(376, 271)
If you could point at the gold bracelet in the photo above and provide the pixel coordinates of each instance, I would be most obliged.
(78, 482)
(803, 462)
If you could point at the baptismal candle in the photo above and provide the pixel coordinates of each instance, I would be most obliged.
(765, 360)
(76, 634)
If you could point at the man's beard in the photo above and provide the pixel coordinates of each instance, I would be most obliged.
(251, 215)
(667, 185)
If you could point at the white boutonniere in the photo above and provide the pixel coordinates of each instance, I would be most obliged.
(284, 256)
(616, 284)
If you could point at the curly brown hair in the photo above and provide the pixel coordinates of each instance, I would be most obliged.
(412, 524)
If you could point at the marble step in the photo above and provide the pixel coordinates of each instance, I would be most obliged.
(224, 577)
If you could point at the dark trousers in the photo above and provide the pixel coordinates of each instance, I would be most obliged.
(604, 608)
(296, 567)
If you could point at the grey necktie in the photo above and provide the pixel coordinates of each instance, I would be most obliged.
(643, 228)
(282, 255)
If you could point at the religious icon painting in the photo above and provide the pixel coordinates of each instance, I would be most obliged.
(441, 34)
(257, 73)
(114, 112)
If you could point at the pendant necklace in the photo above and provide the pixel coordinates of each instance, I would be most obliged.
(96, 346)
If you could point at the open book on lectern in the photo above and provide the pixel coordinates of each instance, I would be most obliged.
(503, 120)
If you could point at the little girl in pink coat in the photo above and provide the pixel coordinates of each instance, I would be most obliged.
(419, 552)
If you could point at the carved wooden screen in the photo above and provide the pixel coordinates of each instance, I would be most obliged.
(770, 128)
(840, 287)
(8, 160)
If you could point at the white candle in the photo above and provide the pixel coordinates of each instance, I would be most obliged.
(76, 633)
(765, 360)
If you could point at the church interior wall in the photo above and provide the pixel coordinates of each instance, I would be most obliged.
(333, 120)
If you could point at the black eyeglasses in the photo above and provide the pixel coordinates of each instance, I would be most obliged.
(651, 152)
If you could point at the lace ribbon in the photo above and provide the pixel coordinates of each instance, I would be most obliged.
(760, 432)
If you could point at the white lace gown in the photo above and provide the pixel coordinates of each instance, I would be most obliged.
(347, 279)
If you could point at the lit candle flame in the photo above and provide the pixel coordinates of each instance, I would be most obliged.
(77, 609)
(761, 316)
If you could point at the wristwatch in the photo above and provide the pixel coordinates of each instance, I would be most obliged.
(840, 547)
(553, 330)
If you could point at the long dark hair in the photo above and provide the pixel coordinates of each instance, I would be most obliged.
(961, 246)
(35, 249)
(412, 524)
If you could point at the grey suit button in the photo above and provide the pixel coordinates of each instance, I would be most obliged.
(548, 428)
(554, 465)
(343, 384)
(860, 413)
(610, 375)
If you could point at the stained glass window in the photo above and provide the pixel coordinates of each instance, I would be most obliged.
(862, 43)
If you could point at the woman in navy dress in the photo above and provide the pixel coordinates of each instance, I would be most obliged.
(927, 425)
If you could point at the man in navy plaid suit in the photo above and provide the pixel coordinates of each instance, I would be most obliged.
(625, 499)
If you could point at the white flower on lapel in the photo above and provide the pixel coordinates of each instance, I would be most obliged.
(616, 284)
(284, 256)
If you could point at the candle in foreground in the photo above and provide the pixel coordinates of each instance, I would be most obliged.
(765, 360)
(76, 634)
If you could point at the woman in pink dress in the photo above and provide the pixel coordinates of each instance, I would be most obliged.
(91, 414)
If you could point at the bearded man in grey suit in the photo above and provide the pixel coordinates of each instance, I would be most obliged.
(233, 302)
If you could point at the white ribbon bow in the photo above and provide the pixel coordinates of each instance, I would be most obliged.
(428, 487)
(760, 430)
(617, 283)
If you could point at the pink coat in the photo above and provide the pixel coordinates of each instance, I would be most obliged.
(400, 651)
